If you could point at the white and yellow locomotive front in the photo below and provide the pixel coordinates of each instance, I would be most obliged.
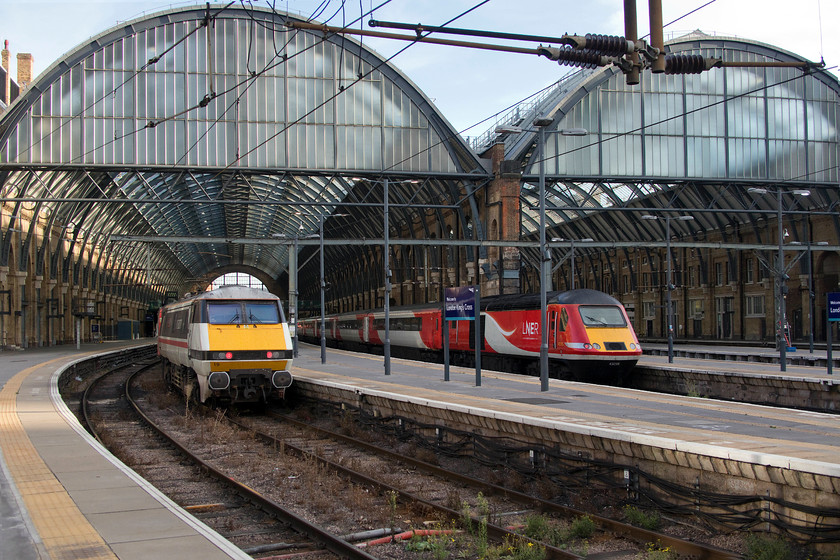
(231, 344)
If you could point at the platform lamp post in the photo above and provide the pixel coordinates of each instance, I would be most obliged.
(386, 260)
(323, 285)
(295, 293)
(323, 288)
(293, 283)
(780, 273)
(669, 285)
(545, 258)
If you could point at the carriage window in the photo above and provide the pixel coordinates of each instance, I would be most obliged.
(602, 316)
(407, 324)
(219, 313)
(166, 329)
(261, 312)
(400, 324)
(181, 326)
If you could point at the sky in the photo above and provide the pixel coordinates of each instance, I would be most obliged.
(468, 86)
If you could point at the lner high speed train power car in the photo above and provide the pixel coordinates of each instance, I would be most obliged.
(230, 345)
(590, 337)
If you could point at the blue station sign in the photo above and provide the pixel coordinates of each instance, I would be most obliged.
(460, 303)
(833, 301)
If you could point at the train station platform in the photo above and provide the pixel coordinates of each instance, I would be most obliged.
(741, 373)
(799, 355)
(780, 455)
(63, 496)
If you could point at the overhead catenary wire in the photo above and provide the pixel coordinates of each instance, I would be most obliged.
(443, 140)
(340, 91)
(203, 103)
(678, 116)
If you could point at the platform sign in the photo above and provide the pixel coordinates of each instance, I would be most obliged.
(460, 303)
(833, 300)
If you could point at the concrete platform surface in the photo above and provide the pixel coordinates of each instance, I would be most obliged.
(765, 435)
(65, 496)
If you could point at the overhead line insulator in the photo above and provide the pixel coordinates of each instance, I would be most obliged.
(574, 57)
(608, 45)
(689, 63)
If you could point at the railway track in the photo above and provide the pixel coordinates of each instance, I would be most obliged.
(420, 489)
(111, 410)
(432, 486)
(412, 494)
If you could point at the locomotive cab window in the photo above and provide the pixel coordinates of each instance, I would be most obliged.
(564, 320)
(261, 312)
(602, 316)
(219, 313)
(243, 313)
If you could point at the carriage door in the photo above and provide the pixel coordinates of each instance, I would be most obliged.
(552, 328)
(366, 329)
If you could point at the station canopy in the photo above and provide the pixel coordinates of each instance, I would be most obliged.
(226, 135)
(701, 145)
(212, 125)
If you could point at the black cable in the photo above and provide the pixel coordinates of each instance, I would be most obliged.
(334, 96)
(695, 10)
(666, 119)
(570, 471)
(149, 63)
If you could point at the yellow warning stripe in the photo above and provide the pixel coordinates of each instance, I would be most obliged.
(63, 529)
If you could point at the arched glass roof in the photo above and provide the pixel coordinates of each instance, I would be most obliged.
(688, 143)
(220, 122)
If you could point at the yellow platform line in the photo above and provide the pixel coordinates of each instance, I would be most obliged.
(64, 531)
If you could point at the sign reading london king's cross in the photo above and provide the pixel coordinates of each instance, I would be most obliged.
(833, 300)
(460, 303)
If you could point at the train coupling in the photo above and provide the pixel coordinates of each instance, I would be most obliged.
(281, 379)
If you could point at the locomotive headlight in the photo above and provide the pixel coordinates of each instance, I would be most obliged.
(218, 380)
(224, 355)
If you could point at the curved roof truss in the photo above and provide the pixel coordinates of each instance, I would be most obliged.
(219, 122)
(679, 144)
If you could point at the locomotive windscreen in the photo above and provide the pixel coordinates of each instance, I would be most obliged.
(602, 316)
(239, 313)
(219, 313)
(261, 312)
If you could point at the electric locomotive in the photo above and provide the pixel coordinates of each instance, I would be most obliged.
(230, 345)
(590, 337)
